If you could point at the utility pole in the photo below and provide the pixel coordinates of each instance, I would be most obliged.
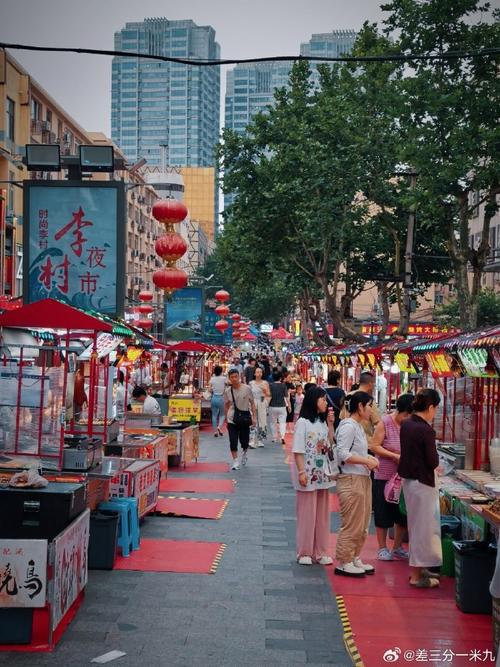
(408, 275)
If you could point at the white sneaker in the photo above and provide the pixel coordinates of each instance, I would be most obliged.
(369, 569)
(325, 560)
(252, 446)
(350, 570)
(236, 465)
(305, 560)
(385, 554)
(244, 458)
(261, 444)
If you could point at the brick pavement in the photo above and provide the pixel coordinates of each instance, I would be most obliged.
(260, 608)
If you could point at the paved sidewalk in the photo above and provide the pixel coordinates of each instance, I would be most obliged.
(259, 608)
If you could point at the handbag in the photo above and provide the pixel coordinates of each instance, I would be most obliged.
(332, 466)
(207, 395)
(392, 490)
(241, 417)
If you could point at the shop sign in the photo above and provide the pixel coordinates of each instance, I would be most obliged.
(23, 573)
(475, 362)
(105, 344)
(403, 362)
(183, 409)
(146, 488)
(424, 330)
(74, 243)
(70, 565)
(438, 363)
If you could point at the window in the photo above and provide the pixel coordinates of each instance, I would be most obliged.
(48, 117)
(36, 109)
(10, 124)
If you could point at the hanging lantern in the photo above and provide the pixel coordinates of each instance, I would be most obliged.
(222, 295)
(145, 309)
(170, 247)
(145, 324)
(236, 326)
(169, 211)
(222, 310)
(221, 325)
(170, 279)
(236, 317)
(145, 295)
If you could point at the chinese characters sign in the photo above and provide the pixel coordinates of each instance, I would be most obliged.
(75, 245)
(183, 409)
(23, 573)
(424, 330)
(70, 565)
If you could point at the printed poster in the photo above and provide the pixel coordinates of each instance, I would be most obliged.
(184, 314)
(74, 249)
(23, 573)
(70, 565)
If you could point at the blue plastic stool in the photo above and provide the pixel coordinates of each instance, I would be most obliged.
(133, 520)
(125, 512)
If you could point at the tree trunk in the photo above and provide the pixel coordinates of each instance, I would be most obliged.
(383, 297)
(343, 329)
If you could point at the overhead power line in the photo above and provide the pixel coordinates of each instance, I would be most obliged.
(403, 57)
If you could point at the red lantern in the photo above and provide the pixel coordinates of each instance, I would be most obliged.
(222, 295)
(145, 324)
(221, 325)
(236, 317)
(169, 211)
(236, 326)
(145, 309)
(170, 247)
(145, 295)
(222, 310)
(170, 279)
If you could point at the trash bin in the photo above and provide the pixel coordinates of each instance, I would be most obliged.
(474, 567)
(451, 525)
(15, 625)
(103, 539)
(448, 566)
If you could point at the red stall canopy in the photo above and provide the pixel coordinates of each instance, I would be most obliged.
(189, 346)
(53, 314)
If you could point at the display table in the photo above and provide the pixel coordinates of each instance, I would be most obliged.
(183, 442)
(141, 443)
(137, 478)
(44, 584)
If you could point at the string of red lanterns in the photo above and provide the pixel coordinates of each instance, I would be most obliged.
(222, 309)
(171, 246)
(145, 309)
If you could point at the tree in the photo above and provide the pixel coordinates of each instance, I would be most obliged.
(450, 127)
(488, 312)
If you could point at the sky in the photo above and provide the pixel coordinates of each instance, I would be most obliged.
(244, 28)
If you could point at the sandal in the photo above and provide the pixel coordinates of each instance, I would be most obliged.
(425, 582)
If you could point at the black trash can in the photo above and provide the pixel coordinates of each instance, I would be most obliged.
(103, 539)
(474, 568)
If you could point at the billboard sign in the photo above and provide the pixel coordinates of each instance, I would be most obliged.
(212, 335)
(184, 314)
(74, 241)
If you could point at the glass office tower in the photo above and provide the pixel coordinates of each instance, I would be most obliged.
(158, 103)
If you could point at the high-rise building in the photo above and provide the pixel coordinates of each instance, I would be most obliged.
(157, 103)
(329, 44)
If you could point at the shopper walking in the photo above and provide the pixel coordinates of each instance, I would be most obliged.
(312, 443)
(386, 446)
(299, 400)
(417, 466)
(239, 409)
(287, 380)
(261, 396)
(354, 486)
(249, 370)
(217, 385)
(278, 408)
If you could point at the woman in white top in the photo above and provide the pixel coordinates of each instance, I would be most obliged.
(262, 396)
(354, 486)
(217, 386)
(312, 445)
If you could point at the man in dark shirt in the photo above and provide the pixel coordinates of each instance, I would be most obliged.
(249, 371)
(278, 407)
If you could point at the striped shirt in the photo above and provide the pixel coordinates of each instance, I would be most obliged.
(387, 466)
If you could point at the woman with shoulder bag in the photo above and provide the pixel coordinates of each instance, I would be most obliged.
(217, 386)
(313, 474)
(354, 486)
(386, 446)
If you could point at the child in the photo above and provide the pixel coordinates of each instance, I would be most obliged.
(299, 399)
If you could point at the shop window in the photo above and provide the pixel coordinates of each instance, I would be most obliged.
(10, 124)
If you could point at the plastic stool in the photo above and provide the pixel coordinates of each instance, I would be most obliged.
(124, 535)
(133, 520)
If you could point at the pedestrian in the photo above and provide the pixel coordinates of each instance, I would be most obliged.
(184, 379)
(366, 384)
(217, 386)
(249, 370)
(278, 407)
(287, 379)
(262, 396)
(354, 486)
(386, 446)
(150, 405)
(335, 395)
(299, 399)
(240, 413)
(417, 466)
(164, 379)
(312, 444)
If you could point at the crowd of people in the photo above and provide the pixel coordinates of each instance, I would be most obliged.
(383, 465)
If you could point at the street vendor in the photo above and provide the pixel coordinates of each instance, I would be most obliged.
(150, 404)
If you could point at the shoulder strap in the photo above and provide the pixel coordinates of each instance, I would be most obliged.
(234, 400)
